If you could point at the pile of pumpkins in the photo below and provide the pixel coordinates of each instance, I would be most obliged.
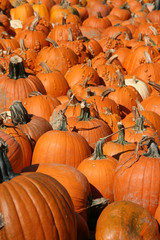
(79, 120)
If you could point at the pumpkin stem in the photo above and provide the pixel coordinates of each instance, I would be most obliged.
(157, 5)
(19, 114)
(111, 59)
(148, 57)
(5, 166)
(121, 136)
(83, 38)
(116, 35)
(45, 67)
(85, 112)
(109, 53)
(135, 113)
(22, 45)
(139, 126)
(99, 15)
(90, 93)
(154, 30)
(54, 44)
(139, 105)
(156, 86)
(72, 98)
(16, 68)
(63, 122)
(121, 78)
(70, 35)
(34, 93)
(152, 147)
(106, 92)
(98, 152)
(34, 23)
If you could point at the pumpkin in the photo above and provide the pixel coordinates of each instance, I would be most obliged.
(40, 105)
(99, 170)
(34, 39)
(40, 206)
(17, 84)
(77, 46)
(61, 146)
(144, 167)
(41, 9)
(116, 147)
(126, 220)
(84, 71)
(89, 127)
(72, 179)
(53, 81)
(122, 93)
(56, 57)
(14, 153)
(22, 12)
(32, 126)
(98, 22)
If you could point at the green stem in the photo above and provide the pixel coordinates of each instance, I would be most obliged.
(98, 152)
(85, 112)
(139, 126)
(121, 136)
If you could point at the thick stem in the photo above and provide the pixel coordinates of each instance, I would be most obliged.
(121, 136)
(111, 59)
(6, 172)
(121, 78)
(154, 30)
(106, 92)
(157, 5)
(85, 112)
(98, 152)
(116, 35)
(22, 45)
(19, 114)
(72, 99)
(156, 86)
(54, 44)
(135, 113)
(70, 35)
(35, 93)
(152, 147)
(63, 122)
(139, 126)
(34, 23)
(45, 67)
(148, 57)
(83, 38)
(109, 53)
(16, 68)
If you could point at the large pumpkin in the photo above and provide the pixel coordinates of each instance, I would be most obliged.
(137, 177)
(61, 146)
(126, 220)
(33, 206)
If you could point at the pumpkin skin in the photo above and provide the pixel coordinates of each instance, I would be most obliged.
(40, 105)
(73, 180)
(99, 171)
(22, 12)
(41, 209)
(58, 146)
(126, 220)
(138, 183)
(53, 81)
(14, 154)
(17, 85)
(61, 58)
(33, 126)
